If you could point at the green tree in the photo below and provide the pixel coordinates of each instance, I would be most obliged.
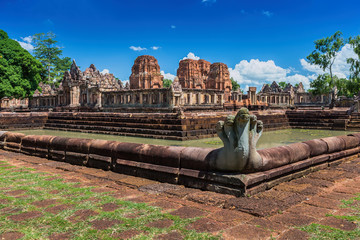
(355, 63)
(325, 53)
(20, 72)
(235, 84)
(282, 85)
(166, 83)
(46, 50)
(321, 85)
(354, 79)
(61, 65)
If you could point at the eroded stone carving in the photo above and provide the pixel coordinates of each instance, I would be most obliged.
(240, 135)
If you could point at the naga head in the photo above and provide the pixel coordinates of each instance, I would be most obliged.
(243, 116)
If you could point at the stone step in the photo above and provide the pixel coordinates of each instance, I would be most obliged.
(132, 130)
(118, 124)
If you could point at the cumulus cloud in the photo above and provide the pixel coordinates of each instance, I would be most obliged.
(191, 56)
(105, 71)
(26, 43)
(340, 66)
(267, 13)
(168, 75)
(257, 73)
(155, 48)
(138, 49)
(173, 26)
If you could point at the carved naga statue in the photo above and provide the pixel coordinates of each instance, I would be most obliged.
(240, 135)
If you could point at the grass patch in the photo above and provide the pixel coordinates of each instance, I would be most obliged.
(36, 187)
(318, 231)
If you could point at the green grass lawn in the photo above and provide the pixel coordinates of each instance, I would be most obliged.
(79, 211)
(323, 232)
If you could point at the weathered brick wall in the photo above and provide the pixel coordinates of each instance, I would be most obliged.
(23, 120)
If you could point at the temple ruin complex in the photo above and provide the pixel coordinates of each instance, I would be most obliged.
(199, 85)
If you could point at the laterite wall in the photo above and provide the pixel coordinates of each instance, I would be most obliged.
(188, 166)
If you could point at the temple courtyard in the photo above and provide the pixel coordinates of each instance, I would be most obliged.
(44, 199)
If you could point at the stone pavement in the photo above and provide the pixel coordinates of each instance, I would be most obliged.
(274, 214)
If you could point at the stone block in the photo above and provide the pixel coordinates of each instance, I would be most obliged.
(317, 147)
(275, 157)
(335, 144)
(196, 158)
(350, 141)
(298, 151)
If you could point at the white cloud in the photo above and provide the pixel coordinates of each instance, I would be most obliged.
(191, 56)
(168, 75)
(155, 48)
(340, 66)
(105, 71)
(137, 48)
(297, 78)
(173, 26)
(208, 2)
(257, 73)
(267, 13)
(27, 39)
(26, 43)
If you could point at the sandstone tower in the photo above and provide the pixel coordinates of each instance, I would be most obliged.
(219, 78)
(145, 73)
(193, 73)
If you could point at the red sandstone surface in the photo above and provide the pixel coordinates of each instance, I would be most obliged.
(275, 213)
(145, 73)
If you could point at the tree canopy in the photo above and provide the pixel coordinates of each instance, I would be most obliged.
(325, 52)
(235, 84)
(20, 72)
(166, 83)
(46, 50)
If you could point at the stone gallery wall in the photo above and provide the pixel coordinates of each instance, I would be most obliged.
(188, 166)
(23, 120)
(171, 126)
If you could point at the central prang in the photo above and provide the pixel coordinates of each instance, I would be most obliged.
(240, 135)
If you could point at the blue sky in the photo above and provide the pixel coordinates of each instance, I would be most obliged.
(260, 41)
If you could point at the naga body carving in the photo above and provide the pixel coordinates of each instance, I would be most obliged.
(240, 135)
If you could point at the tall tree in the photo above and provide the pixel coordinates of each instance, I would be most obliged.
(282, 85)
(20, 72)
(166, 83)
(325, 53)
(235, 84)
(47, 51)
(355, 63)
(321, 85)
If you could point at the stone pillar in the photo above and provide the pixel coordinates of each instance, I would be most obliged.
(87, 96)
(141, 98)
(160, 98)
(133, 98)
(99, 99)
(150, 98)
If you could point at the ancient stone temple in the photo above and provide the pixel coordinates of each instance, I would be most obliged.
(193, 73)
(276, 96)
(145, 73)
(219, 78)
(200, 86)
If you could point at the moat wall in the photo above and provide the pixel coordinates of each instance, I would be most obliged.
(188, 166)
(31, 120)
(171, 126)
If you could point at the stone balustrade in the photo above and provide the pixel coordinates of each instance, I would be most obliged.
(189, 166)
